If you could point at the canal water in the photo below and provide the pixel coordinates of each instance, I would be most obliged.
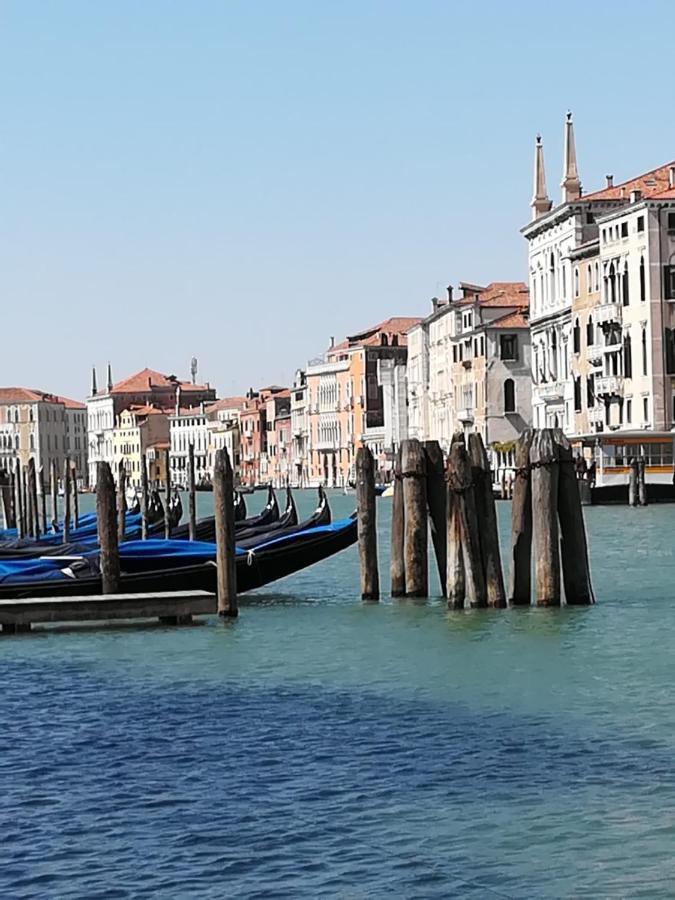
(320, 747)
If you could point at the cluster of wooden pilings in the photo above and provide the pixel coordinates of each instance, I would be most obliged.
(454, 500)
(23, 495)
(111, 509)
(637, 485)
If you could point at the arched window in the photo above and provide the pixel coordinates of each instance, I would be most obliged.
(624, 285)
(590, 332)
(509, 396)
(576, 281)
(551, 278)
(597, 277)
(643, 290)
(612, 283)
(627, 357)
(31, 441)
(576, 337)
(589, 279)
(553, 363)
(644, 350)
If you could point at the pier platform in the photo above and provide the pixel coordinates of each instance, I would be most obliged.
(172, 608)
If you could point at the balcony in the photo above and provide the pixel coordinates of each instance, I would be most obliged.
(596, 414)
(551, 391)
(609, 386)
(594, 353)
(607, 314)
(465, 416)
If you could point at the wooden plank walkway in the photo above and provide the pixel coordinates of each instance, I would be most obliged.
(172, 608)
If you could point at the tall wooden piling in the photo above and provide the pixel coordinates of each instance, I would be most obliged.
(455, 578)
(18, 501)
(29, 509)
(43, 499)
(66, 501)
(544, 465)
(396, 557)
(367, 524)
(54, 487)
(106, 515)
(487, 518)
(33, 494)
(5, 495)
(460, 479)
(436, 503)
(520, 578)
(223, 507)
(642, 482)
(144, 497)
(573, 546)
(121, 501)
(192, 498)
(76, 498)
(167, 494)
(633, 482)
(12, 497)
(415, 553)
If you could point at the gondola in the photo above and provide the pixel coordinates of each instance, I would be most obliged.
(206, 528)
(270, 560)
(239, 507)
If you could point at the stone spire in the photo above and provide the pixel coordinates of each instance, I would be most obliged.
(109, 381)
(571, 186)
(540, 202)
(94, 388)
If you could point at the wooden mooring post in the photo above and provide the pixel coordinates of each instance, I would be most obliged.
(460, 481)
(520, 579)
(487, 518)
(396, 560)
(455, 576)
(367, 524)
(167, 494)
(66, 501)
(34, 505)
(223, 507)
(76, 498)
(54, 488)
(573, 546)
(192, 497)
(106, 515)
(5, 496)
(633, 483)
(436, 503)
(413, 471)
(121, 500)
(18, 500)
(43, 499)
(544, 466)
(144, 497)
(641, 482)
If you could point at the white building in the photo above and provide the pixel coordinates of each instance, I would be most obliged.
(189, 426)
(300, 434)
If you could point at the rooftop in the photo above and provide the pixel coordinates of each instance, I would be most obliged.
(28, 395)
(500, 293)
(149, 378)
(656, 181)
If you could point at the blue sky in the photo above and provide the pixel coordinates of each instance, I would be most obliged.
(240, 180)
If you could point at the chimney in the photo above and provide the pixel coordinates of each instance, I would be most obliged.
(449, 289)
(609, 179)
(178, 400)
(635, 196)
(671, 176)
(332, 341)
(434, 304)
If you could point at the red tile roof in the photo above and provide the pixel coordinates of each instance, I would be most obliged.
(499, 293)
(28, 395)
(227, 403)
(653, 182)
(149, 378)
(515, 319)
(395, 325)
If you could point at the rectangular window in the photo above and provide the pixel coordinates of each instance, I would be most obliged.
(645, 409)
(624, 229)
(640, 224)
(454, 352)
(629, 411)
(509, 347)
(671, 221)
(669, 282)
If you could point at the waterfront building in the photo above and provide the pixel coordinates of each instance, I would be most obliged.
(356, 397)
(469, 368)
(299, 430)
(140, 430)
(188, 425)
(223, 425)
(42, 426)
(601, 269)
(256, 429)
(147, 387)
(278, 424)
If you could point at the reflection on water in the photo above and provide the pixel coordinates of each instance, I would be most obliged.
(318, 746)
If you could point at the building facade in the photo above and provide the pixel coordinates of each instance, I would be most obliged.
(300, 446)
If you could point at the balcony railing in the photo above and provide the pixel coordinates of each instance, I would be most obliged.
(465, 415)
(551, 390)
(609, 385)
(594, 353)
(607, 314)
(596, 413)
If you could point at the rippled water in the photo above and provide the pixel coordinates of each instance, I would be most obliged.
(320, 747)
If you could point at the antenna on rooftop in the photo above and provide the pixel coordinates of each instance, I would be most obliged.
(193, 369)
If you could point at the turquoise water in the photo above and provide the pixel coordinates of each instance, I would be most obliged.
(320, 747)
